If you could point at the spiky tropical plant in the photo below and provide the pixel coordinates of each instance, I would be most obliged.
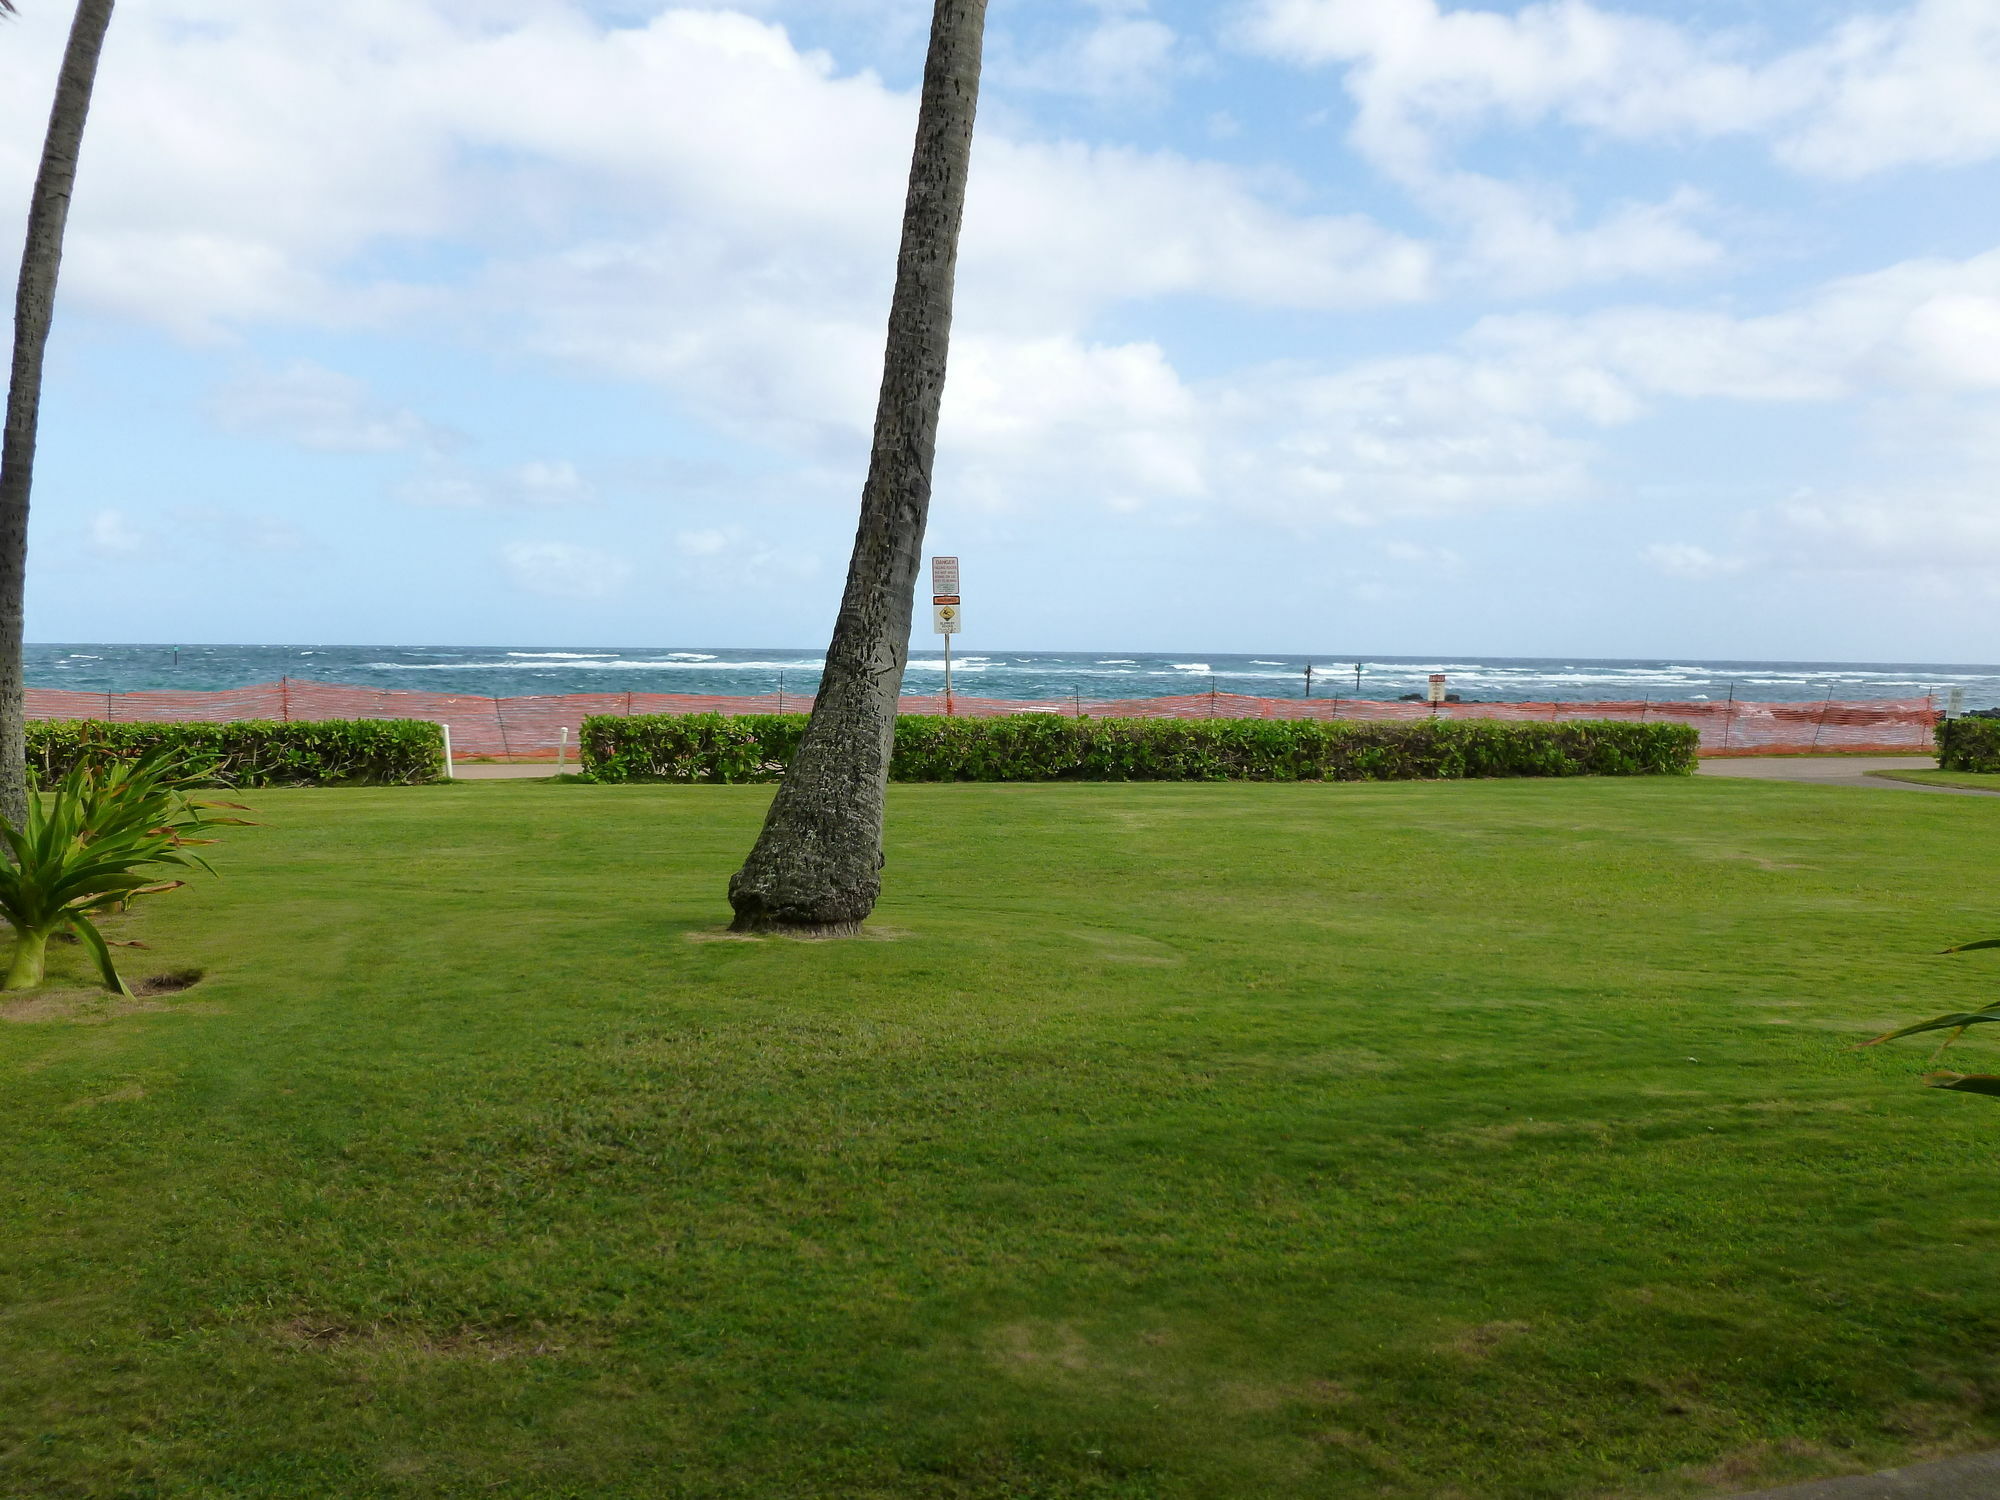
(105, 834)
(1957, 1022)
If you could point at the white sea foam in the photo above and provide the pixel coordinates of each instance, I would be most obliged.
(562, 655)
(596, 666)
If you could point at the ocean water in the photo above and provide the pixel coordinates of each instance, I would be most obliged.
(522, 671)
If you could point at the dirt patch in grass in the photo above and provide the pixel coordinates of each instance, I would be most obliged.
(1759, 1461)
(1042, 1346)
(96, 1007)
(79, 1007)
(466, 1343)
(1479, 1342)
(130, 1094)
(1125, 948)
(865, 935)
(170, 983)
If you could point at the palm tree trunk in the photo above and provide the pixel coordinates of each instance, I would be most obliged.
(34, 308)
(817, 865)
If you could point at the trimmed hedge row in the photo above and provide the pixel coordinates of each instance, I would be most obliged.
(1043, 747)
(1969, 745)
(261, 752)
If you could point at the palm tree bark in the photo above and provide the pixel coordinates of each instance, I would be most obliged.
(816, 868)
(34, 309)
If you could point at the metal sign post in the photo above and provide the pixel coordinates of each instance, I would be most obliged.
(945, 604)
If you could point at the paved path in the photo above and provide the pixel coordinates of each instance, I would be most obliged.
(1837, 770)
(1974, 1478)
(469, 771)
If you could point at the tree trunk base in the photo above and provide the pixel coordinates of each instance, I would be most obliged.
(771, 927)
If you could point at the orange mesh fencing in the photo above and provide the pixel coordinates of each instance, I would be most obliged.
(531, 729)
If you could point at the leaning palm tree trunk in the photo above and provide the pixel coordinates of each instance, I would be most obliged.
(817, 865)
(34, 308)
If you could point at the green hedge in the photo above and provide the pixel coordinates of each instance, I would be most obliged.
(1969, 745)
(1043, 747)
(332, 752)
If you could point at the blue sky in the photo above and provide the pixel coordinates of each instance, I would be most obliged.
(1304, 325)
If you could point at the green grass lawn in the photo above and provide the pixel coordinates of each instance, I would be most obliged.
(1446, 1140)
(1982, 781)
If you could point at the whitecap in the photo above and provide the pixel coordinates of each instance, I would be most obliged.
(597, 666)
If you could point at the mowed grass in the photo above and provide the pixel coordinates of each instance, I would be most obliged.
(1456, 1140)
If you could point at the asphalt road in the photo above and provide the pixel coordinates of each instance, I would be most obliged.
(1838, 770)
(1976, 1477)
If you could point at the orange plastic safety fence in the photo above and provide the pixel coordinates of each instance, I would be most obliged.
(534, 728)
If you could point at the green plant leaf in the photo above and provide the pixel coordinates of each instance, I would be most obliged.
(94, 941)
(1966, 1083)
(1957, 1021)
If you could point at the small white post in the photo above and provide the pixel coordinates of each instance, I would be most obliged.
(447, 751)
(562, 750)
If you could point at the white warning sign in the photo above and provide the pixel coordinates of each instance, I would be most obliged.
(945, 617)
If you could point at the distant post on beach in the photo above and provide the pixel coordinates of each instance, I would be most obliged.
(945, 616)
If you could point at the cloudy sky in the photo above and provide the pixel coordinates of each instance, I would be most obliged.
(1310, 325)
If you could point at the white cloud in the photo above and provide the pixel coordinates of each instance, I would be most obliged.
(708, 542)
(565, 570)
(539, 484)
(113, 533)
(1685, 560)
(1919, 85)
(209, 526)
(1421, 77)
(1125, 56)
(1920, 325)
(320, 409)
(1937, 532)
(247, 162)
(1431, 561)
(700, 203)
(732, 559)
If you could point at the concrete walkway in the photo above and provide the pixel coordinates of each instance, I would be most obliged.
(1837, 770)
(472, 771)
(1973, 1478)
